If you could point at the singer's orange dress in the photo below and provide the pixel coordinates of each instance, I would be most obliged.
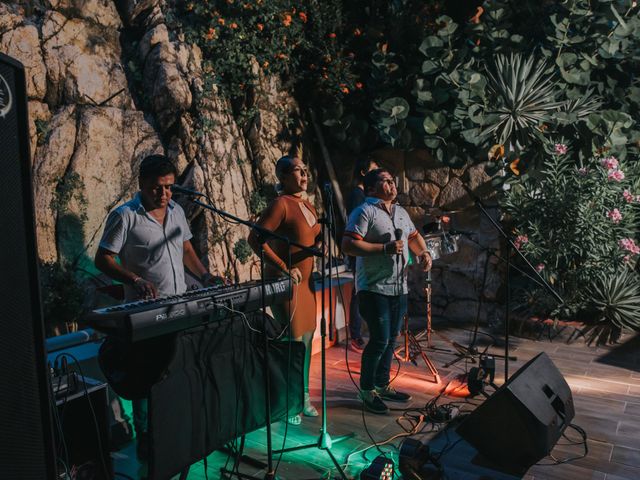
(296, 219)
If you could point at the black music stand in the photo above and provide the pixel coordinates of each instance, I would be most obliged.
(325, 441)
(263, 234)
(510, 246)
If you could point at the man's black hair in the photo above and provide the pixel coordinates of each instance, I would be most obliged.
(361, 165)
(154, 166)
(371, 178)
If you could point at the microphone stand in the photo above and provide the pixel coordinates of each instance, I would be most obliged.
(263, 234)
(325, 441)
(511, 246)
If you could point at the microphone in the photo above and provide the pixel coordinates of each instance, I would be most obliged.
(186, 191)
(398, 234)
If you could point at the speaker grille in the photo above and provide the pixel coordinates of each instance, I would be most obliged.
(26, 432)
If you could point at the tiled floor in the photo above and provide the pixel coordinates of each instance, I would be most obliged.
(605, 382)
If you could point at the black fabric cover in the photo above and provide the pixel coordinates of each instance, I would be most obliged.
(213, 391)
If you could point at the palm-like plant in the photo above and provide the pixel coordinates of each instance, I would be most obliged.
(613, 306)
(523, 96)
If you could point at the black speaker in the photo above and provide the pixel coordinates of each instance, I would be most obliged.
(26, 441)
(522, 421)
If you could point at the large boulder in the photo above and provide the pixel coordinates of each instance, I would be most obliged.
(84, 63)
(100, 12)
(23, 44)
(49, 166)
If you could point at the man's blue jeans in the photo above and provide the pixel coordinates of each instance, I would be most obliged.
(383, 314)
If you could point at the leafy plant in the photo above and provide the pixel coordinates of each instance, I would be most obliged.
(577, 222)
(62, 296)
(612, 305)
(242, 250)
(522, 97)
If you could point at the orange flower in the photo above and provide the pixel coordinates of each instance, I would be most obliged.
(476, 18)
(234, 25)
(445, 219)
(359, 85)
(332, 35)
(189, 7)
(357, 32)
(260, 26)
(513, 166)
(286, 20)
(221, 21)
(344, 89)
(281, 56)
(303, 17)
(265, 64)
(211, 34)
(496, 152)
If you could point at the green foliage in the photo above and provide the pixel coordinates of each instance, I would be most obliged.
(578, 222)
(242, 251)
(62, 296)
(613, 304)
(69, 188)
(291, 39)
(42, 130)
(257, 202)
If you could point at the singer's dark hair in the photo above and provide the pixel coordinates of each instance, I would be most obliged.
(371, 178)
(362, 165)
(154, 166)
(284, 165)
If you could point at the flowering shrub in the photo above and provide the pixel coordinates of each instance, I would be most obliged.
(577, 221)
(296, 40)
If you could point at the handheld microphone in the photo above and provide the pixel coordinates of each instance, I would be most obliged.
(186, 191)
(398, 234)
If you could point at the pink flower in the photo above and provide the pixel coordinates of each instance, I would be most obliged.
(540, 267)
(583, 171)
(626, 258)
(610, 163)
(629, 197)
(614, 215)
(560, 148)
(617, 175)
(629, 245)
(520, 240)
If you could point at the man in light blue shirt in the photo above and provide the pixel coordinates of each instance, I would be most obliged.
(151, 237)
(380, 234)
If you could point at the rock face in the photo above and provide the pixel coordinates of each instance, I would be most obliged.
(108, 86)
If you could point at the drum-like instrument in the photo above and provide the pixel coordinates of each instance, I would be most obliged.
(441, 244)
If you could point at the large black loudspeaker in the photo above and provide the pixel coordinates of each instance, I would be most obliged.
(26, 438)
(522, 421)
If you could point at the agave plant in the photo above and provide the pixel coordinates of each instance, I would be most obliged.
(613, 305)
(523, 95)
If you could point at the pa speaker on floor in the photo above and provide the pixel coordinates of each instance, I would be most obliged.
(522, 421)
(26, 440)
